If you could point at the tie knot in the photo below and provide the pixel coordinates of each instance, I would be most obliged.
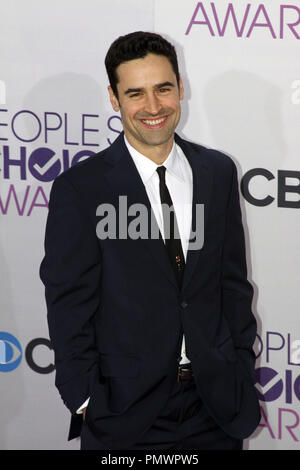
(161, 170)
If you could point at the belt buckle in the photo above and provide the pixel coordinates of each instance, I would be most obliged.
(180, 378)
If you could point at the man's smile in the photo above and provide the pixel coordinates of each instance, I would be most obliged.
(154, 123)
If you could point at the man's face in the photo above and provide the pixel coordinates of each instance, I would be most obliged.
(149, 101)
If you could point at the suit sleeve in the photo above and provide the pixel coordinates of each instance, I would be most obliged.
(237, 292)
(71, 271)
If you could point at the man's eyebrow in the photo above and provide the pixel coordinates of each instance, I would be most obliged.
(132, 90)
(158, 85)
(163, 84)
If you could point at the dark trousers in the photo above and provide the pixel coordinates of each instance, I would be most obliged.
(183, 424)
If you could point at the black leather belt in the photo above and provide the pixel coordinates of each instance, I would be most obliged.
(184, 373)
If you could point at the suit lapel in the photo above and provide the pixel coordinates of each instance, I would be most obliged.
(202, 186)
(124, 179)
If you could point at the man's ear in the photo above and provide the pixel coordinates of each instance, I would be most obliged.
(113, 99)
(181, 89)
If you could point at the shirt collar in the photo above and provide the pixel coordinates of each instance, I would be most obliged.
(147, 167)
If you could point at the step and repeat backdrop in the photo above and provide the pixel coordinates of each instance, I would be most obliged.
(240, 67)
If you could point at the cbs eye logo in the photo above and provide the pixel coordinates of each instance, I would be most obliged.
(10, 352)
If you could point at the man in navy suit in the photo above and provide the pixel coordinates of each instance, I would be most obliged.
(152, 330)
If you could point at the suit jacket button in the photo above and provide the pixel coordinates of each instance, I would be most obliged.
(184, 304)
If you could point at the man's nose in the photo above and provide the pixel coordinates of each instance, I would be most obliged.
(153, 104)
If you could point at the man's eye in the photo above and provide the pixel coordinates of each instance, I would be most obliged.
(164, 90)
(134, 95)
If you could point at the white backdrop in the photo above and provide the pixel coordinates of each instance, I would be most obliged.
(240, 67)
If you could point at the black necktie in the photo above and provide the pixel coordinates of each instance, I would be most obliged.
(172, 237)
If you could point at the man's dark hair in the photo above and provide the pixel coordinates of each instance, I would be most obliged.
(136, 46)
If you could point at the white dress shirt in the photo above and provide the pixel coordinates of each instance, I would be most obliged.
(179, 180)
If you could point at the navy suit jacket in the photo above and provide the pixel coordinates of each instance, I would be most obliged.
(116, 315)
